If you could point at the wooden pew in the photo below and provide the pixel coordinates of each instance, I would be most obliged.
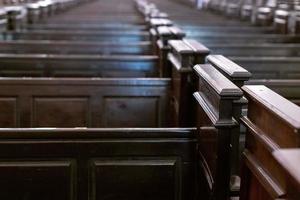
(247, 38)
(215, 123)
(89, 26)
(194, 31)
(3, 20)
(97, 163)
(47, 65)
(111, 36)
(272, 123)
(74, 102)
(287, 88)
(182, 57)
(160, 38)
(75, 47)
(270, 67)
(289, 159)
(257, 50)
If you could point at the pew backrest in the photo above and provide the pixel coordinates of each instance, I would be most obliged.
(97, 163)
(51, 65)
(83, 102)
(272, 123)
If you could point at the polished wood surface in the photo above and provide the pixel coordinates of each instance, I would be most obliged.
(97, 163)
(53, 65)
(215, 124)
(42, 102)
(272, 123)
(106, 50)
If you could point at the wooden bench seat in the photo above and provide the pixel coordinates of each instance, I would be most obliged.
(112, 36)
(97, 164)
(49, 102)
(74, 47)
(45, 65)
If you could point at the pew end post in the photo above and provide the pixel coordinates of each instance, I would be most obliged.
(215, 97)
(164, 34)
(183, 55)
(238, 76)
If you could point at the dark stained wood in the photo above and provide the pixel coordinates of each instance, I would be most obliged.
(215, 124)
(16, 17)
(87, 26)
(112, 36)
(184, 54)
(281, 20)
(3, 20)
(97, 164)
(164, 34)
(272, 122)
(48, 65)
(270, 67)
(238, 76)
(42, 102)
(289, 159)
(75, 47)
(257, 50)
(247, 38)
(289, 89)
(33, 13)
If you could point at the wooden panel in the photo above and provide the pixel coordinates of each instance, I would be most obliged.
(74, 47)
(60, 112)
(113, 179)
(20, 65)
(8, 112)
(112, 36)
(289, 89)
(289, 159)
(35, 180)
(87, 102)
(131, 111)
(109, 163)
(272, 123)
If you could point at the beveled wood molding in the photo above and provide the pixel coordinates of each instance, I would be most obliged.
(230, 69)
(186, 53)
(156, 22)
(276, 104)
(271, 185)
(259, 135)
(219, 82)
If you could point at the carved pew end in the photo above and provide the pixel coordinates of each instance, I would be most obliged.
(33, 15)
(184, 54)
(281, 21)
(264, 16)
(16, 17)
(215, 97)
(246, 12)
